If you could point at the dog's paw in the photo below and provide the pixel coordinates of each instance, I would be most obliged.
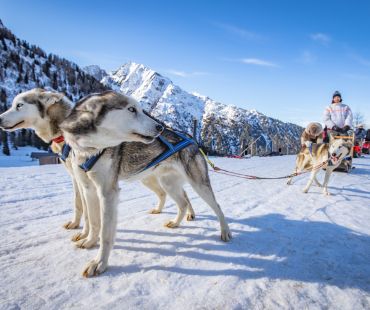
(71, 225)
(155, 211)
(171, 224)
(305, 191)
(190, 217)
(94, 268)
(86, 243)
(226, 235)
(79, 236)
(327, 193)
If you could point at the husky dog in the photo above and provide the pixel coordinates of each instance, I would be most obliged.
(116, 127)
(331, 154)
(44, 111)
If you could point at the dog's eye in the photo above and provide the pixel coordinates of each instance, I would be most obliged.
(19, 105)
(132, 109)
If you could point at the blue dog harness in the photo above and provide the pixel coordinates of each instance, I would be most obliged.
(66, 149)
(171, 150)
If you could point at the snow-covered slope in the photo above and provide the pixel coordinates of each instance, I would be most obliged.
(218, 128)
(290, 250)
(95, 71)
(24, 66)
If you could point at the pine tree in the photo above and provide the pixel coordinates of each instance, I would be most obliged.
(26, 78)
(29, 137)
(46, 68)
(13, 141)
(3, 96)
(4, 44)
(33, 75)
(6, 150)
(19, 79)
(55, 81)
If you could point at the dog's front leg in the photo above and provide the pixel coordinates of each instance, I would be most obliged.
(328, 172)
(108, 200)
(93, 215)
(78, 209)
(309, 183)
(81, 182)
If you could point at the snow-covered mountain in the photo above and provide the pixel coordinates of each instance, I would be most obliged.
(219, 128)
(95, 71)
(24, 66)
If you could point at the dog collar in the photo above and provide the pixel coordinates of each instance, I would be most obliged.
(59, 139)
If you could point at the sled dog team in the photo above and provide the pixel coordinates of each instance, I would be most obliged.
(107, 137)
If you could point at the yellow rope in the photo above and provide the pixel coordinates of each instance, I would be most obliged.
(208, 160)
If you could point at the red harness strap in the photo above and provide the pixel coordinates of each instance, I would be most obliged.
(59, 139)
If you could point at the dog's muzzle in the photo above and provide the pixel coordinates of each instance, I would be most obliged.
(334, 158)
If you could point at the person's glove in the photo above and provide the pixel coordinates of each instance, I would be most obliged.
(308, 144)
(336, 128)
(346, 128)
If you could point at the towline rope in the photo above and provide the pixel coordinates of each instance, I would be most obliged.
(254, 177)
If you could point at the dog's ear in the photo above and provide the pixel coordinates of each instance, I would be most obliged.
(92, 106)
(48, 98)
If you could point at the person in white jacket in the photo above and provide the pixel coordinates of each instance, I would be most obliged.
(338, 116)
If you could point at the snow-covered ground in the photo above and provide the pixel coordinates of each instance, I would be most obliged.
(290, 250)
(19, 158)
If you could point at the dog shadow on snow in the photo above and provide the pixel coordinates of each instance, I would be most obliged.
(269, 246)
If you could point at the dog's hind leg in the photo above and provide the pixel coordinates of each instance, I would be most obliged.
(152, 183)
(206, 193)
(317, 181)
(172, 184)
(197, 175)
(190, 214)
(75, 223)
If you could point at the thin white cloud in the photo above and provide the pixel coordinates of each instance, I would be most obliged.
(186, 74)
(307, 57)
(241, 32)
(321, 38)
(258, 62)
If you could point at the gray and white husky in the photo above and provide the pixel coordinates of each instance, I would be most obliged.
(116, 124)
(332, 154)
(44, 111)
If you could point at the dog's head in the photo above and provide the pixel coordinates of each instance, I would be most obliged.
(108, 119)
(314, 129)
(338, 150)
(37, 109)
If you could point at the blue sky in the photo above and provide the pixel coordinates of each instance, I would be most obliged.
(283, 58)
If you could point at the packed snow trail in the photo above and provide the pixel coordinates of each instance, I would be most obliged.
(290, 250)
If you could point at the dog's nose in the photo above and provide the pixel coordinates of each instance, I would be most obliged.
(0, 121)
(334, 154)
(159, 128)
